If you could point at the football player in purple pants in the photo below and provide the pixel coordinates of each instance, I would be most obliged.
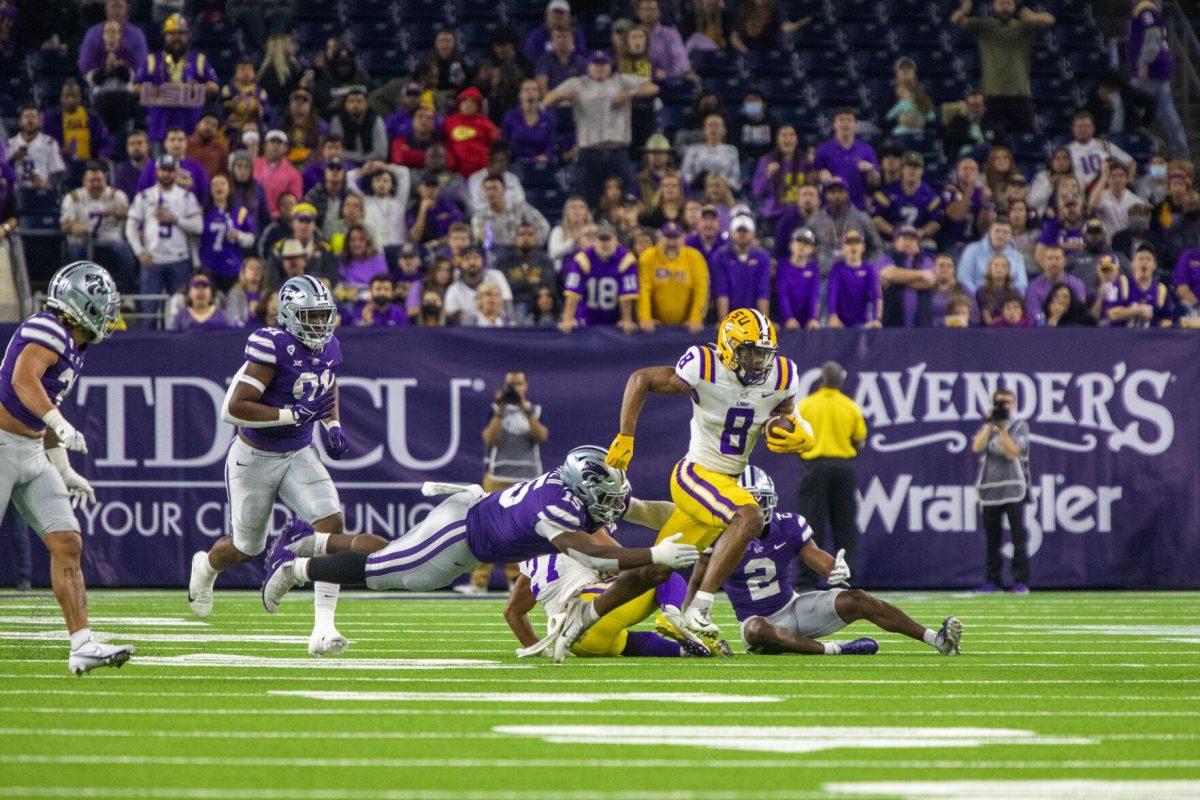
(40, 366)
(286, 386)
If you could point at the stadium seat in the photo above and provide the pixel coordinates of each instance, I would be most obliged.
(313, 35)
(548, 201)
(799, 9)
(832, 92)
(859, 12)
(418, 34)
(427, 10)
(31, 200)
(945, 88)
(717, 64)
(874, 64)
(1055, 92)
(386, 62)
(73, 178)
(15, 90)
(771, 64)
(538, 176)
(1139, 145)
(42, 63)
(780, 91)
(370, 9)
(730, 90)
(1030, 147)
(870, 36)
(372, 33)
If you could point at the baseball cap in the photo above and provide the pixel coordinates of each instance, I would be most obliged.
(1094, 226)
(804, 235)
(304, 210)
(201, 279)
(709, 211)
(471, 248)
(1146, 247)
(742, 224)
(834, 182)
(276, 135)
(167, 161)
(852, 236)
(630, 200)
(906, 230)
(913, 159)
(430, 180)
(249, 136)
(301, 92)
(470, 93)
(559, 5)
(670, 230)
(413, 88)
(335, 163)
(600, 57)
(657, 143)
(409, 250)
(605, 231)
(176, 23)
(291, 249)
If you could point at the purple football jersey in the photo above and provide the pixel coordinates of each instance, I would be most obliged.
(600, 284)
(45, 329)
(519, 522)
(299, 373)
(762, 583)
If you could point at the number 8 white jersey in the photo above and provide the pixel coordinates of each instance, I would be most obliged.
(555, 579)
(727, 415)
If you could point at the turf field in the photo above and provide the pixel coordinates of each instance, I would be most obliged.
(1067, 696)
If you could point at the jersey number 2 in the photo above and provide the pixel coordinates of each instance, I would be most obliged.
(760, 578)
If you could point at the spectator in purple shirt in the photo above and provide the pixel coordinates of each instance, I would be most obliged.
(434, 213)
(966, 206)
(780, 174)
(200, 311)
(128, 173)
(361, 262)
(907, 283)
(793, 216)
(668, 57)
(331, 147)
(1150, 61)
(558, 16)
(741, 271)
(852, 296)
(132, 49)
(846, 156)
(708, 236)
(798, 283)
(380, 311)
(529, 129)
(562, 61)
(1186, 278)
(176, 63)
(191, 172)
(909, 201)
(1054, 266)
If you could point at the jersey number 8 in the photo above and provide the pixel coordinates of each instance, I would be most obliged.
(737, 431)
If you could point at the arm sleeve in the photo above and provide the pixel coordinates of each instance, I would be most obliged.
(860, 425)
(133, 226)
(192, 222)
(558, 516)
(831, 293)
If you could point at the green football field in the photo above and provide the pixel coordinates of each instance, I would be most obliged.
(1056, 695)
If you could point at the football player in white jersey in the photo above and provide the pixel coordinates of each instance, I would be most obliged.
(736, 386)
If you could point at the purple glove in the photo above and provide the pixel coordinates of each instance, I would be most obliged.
(336, 443)
(307, 411)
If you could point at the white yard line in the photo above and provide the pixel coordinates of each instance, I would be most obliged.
(165, 793)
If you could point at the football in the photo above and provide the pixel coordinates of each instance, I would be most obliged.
(784, 422)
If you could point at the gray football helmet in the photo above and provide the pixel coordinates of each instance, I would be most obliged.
(758, 483)
(307, 311)
(602, 488)
(85, 293)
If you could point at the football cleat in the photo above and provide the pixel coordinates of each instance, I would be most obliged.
(669, 625)
(572, 630)
(297, 537)
(92, 654)
(471, 590)
(200, 590)
(700, 622)
(278, 581)
(326, 641)
(1019, 588)
(986, 588)
(948, 637)
(860, 647)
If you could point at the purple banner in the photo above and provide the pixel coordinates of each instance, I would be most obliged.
(1115, 454)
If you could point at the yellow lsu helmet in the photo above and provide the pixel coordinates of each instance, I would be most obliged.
(747, 344)
(175, 24)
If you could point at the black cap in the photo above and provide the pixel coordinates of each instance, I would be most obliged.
(409, 250)
(429, 179)
(914, 159)
(335, 163)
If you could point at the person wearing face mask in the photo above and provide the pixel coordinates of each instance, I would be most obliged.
(1152, 186)
(380, 311)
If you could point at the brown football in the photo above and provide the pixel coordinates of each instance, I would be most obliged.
(784, 422)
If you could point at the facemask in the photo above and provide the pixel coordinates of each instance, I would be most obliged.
(752, 109)
(380, 300)
(431, 310)
(1158, 171)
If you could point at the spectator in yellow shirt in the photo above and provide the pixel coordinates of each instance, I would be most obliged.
(673, 280)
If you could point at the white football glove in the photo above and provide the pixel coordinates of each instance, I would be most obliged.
(699, 620)
(80, 490)
(841, 570)
(68, 437)
(669, 553)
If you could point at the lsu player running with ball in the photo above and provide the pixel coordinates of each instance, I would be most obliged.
(736, 386)
(286, 385)
(40, 366)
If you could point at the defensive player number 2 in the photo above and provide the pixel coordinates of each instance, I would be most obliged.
(737, 429)
(760, 578)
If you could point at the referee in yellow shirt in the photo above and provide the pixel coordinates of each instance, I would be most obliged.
(827, 497)
(673, 280)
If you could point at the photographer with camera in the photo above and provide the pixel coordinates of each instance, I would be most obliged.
(1003, 486)
(512, 436)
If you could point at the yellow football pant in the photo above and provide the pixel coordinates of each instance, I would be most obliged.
(607, 637)
(705, 502)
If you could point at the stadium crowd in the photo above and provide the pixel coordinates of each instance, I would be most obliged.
(865, 163)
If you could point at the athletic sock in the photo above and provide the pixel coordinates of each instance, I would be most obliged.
(650, 644)
(325, 596)
(929, 637)
(300, 569)
(832, 648)
(80, 637)
(702, 601)
(321, 544)
(590, 615)
(206, 570)
(671, 592)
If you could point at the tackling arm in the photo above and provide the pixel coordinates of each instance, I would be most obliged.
(242, 406)
(610, 558)
(516, 612)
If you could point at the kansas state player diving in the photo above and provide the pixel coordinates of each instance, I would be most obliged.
(557, 512)
(40, 366)
(735, 387)
(286, 385)
(775, 619)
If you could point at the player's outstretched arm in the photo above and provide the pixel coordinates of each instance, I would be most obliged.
(516, 612)
(609, 558)
(648, 380)
(830, 567)
(652, 514)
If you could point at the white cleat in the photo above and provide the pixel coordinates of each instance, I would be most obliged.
(327, 642)
(949, 637)
(92, 654)
(700, 622)
(471, 590)
(276, 584)
(200, 591)
(571, 631)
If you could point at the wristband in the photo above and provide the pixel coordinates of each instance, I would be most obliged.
(58, 458)
(702, 601)
(287, 417)
(54, 418)
(330, 424)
